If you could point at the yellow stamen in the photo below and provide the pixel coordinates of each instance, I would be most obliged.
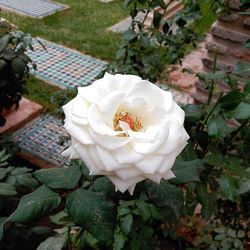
(133, 122)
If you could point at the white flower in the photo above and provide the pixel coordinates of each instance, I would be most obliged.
(125, 128)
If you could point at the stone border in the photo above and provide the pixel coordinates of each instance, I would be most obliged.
(25, 13)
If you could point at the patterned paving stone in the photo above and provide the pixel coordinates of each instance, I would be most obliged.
(32, 8)
(41, 138)
(64, 67)
(125, 24)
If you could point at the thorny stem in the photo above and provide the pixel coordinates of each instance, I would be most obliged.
(212, 86)
(203, 123)
(212, 110)
(235, 133)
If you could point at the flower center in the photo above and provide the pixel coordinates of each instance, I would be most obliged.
(133, 122)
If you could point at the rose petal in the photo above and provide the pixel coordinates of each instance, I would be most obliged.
(156, 177)
(148, 136)
(93, 93)
(122, 185)
(150, 163)
(177, 113)
(97, 123)
(175, 135)
(83, 153)
(167, 164)
(95, 158)
(80, 111)
(120, 82)
(131, 189)
(168, 175)
(67, 108)
(109, 161)
(151, 93)
(78, 132)
(153, 116)
(127, 173)
(109, 142)
(168, 100)
(152, 146)
(110, 104)
(70, 153)
(125, 155)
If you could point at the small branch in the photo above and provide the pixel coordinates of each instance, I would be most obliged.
(212, 87)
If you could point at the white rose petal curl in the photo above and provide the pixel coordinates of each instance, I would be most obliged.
(125, 128)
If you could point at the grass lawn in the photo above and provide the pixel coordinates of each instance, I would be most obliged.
(82, 27)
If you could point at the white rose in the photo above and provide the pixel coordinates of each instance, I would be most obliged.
(125, 128)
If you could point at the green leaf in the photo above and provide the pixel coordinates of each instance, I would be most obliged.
(220, 237)
(4, 172)
(9, 54)
(27, 41)
(129, 35)
(207, 200)
(7, 190)
(2, 223)
(41, 230)
(238, 244)
(217, 127)
(157, 19)
(214, 159)
(242, 69)
(4, 42)
(92, 211)
(35, 204)
(57, 242)
(186, 171)
(165, 195)
(192, 112)
(2, 66)
(64, 178)
(119, 241)
(61, 218)
(241, 234)
(220, 230)
(103, 184)
(244, 187)
(242, 111)
(18, 66)
(143, 210)
(235, 167)
(126, 224)
(228, 186)
(145, 41)
(21, 170)
(126, 3)
(123, 209)
(219, 75)
(232, 99)
(26, 180)
(120, 53)
(3, 158)
(188, 153)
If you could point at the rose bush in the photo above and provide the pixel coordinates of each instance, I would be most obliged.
(125, 128)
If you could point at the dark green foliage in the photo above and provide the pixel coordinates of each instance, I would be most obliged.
(145, 50)
(14, 67)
